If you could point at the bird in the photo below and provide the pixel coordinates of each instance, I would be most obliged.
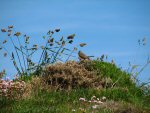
(83, 56)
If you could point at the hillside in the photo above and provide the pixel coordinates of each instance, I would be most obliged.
(79, 87)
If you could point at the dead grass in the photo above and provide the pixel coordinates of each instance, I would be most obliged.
(72, 75)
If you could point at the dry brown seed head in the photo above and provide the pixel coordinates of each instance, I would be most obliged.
(5, 41)
(17, 34)
(9, 30)
(52, 32)
(71, 36)
(3, 30)
(42, 47)
(70, 41)
(36, 46)
(51, 44)
(10, 26)
(57, 30)
(82, 44)
(52, 40)
(5, 54)
(63, 43)
(9, 34)
(75, 48)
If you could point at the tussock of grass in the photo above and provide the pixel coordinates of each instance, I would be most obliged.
(61, 85)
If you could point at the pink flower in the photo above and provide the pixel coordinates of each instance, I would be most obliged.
(82, 99)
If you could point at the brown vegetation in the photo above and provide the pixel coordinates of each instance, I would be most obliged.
(73, 75)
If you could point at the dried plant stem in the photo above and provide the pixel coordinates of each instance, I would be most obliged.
(17, 54)
(22, 54)
(12, 59)
(55, 56)
(27, 56)
(143, 68)
(70, 55)
(43, 52)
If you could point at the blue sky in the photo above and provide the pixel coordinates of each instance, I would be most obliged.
(110, 27)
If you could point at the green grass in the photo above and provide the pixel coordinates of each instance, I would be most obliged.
(66, 101)
(125, 94)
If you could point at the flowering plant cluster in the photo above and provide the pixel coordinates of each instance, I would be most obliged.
(23, 51)
(11, 89)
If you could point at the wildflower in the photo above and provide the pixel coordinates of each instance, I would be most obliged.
(9, 30)
(63, 43)
(93, 98)
(89, 101)
(57, 30)
(29, 60)
(42, 47)
(71, 36)
(75, 48)
(52, 32)
(82, 44)
(3, 30)
(5, 54)
(103, 99)
(95, 106)
(70, 41)
(17, 34)
(52, 40)
(82, 109)
(82, 99)
(5, 41)
(27, 40)
(36, 46)
(9, 34)
(14, 62)
(4, 90)
(73, 110)
(51, 44)
(10, 26)
(99, 102)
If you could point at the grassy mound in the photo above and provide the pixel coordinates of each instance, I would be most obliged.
(88, 86)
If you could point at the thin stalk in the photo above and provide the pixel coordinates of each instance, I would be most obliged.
(57, 54)
(22, 54)
(43, 52)
(27, 56)
(17, 54)
(70, 55)
(143, 67)
(12, 59)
